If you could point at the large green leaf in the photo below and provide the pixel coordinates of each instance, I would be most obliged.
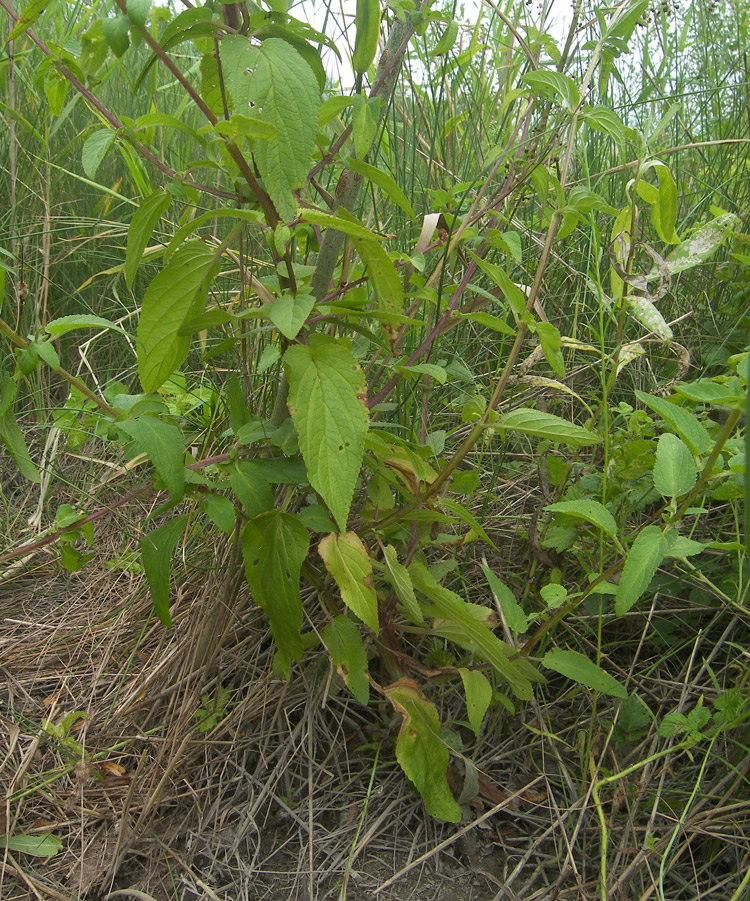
(289, 313)
(156, 553)
(150, 210)
(546, 425)
(176, 294)
(584, 671)
(349, 656)
(162, 443)
(347, 560)
(285, 93)
(64, 324)
(421, 751)
(274, 546)
(95, 149)
(675, 472)
(649, 549)
(249, 481)
(590, 510)
(328, 406)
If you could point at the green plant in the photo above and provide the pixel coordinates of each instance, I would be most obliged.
(298, 330)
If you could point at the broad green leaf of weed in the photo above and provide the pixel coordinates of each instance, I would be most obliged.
(150, 210)
(686, 424)
(554, 84)
(386, 284)
(421, 752)
(95, 149)
(347, 560)
(365, 121)
(162, 443)
(220, 510)
(675, 472)
(157, 547)
(250, 483)
(289, 313)
(644, 557)
(349, 656)
(590, 510)
(285, 93)
(274, 546)
(547, 425)
(138, 11)
(478, 696)
(328, 406)
(65, 324)
(580, 669)
(174, 296)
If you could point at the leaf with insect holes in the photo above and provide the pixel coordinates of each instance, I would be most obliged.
(328, 406)
(420, 750)
(274, 546)
(580, 669)
(176, 295)
(347, 560)
(285, 93)
(348, 655)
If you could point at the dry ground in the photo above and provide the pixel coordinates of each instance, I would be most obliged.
(286, 795)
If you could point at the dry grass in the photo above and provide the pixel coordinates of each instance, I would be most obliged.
(285, 796)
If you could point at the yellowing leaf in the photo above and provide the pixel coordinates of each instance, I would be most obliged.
(347, 560)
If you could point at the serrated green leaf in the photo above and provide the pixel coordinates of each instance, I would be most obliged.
(349, 656)
(512, 610)
(590, 510)
(546, 425)
(95, 149)
(138, 11)
(580, 669)
(686, 424)
(12, 437)
(675, 472)
(142, 226)
(285, 92)
(683, 546)
(421, 752)
(644, 557)
(250, 483)
(162, 444)
(37, 845)
(157, 547)
(347, 560)
(385, 182)
(116, 34)
(478, 693)
(274, 547)
(289, 313)
(175, 295)
(398, 575)
(327, 400)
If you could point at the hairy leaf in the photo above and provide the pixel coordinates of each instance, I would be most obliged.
(327, 403)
